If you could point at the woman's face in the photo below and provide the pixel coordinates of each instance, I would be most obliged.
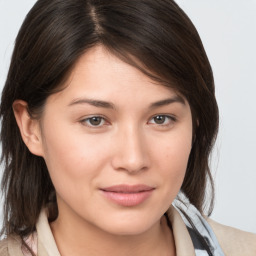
(116, 145)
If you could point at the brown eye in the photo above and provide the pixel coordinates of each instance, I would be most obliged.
(94, 121)
(160, 119)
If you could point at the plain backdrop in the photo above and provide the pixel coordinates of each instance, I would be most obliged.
(228, 31)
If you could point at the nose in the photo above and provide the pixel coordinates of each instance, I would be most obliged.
(131, 152)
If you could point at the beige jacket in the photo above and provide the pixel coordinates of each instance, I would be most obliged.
(233, 241)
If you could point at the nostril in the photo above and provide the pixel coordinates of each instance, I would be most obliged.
(131, 165)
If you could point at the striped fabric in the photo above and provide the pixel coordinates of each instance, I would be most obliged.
(202, 236)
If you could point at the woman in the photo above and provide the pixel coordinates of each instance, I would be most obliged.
(108, 119)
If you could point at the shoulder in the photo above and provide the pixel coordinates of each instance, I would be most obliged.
(10, 246)
(234, 242)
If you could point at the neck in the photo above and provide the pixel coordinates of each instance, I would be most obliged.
(76, 237)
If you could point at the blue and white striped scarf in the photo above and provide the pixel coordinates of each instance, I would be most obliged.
(202, 235)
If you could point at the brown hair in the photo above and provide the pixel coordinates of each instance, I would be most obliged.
(155, 36)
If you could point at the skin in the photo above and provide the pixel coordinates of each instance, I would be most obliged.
(140, 138)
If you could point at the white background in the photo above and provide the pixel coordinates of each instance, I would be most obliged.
(228, 31)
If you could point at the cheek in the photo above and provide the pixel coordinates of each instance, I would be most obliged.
(175, 148)
(172, 158)
(72, 158)
(65, 145)
(73, 167)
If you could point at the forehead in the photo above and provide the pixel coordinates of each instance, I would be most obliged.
(100, 74)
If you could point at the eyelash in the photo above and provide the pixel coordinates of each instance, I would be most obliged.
(88, 119)
(103, 121)
(170, 119)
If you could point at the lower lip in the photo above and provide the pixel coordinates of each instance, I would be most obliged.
(128, 199)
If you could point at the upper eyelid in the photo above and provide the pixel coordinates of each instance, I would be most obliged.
(169, 123)
(84, 119)
(174, 117)
(91, 116)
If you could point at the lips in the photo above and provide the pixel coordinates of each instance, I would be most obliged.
(128, 195)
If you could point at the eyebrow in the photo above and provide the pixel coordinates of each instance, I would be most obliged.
(95, 103)
(168, 101)
(109, 105)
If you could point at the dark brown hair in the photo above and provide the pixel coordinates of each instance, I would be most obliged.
(155, 36)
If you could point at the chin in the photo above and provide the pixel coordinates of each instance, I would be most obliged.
(129, 227)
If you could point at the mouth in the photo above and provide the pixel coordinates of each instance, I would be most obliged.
(128, 195)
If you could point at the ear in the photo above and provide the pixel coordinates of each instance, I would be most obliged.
(29, 128)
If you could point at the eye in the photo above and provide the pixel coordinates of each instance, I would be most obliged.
(94, 121)
(164, 120)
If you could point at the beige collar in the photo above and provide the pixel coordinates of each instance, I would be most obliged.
(46, 242)
(183, 242)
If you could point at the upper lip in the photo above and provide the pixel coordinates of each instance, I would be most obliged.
(123, 188)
